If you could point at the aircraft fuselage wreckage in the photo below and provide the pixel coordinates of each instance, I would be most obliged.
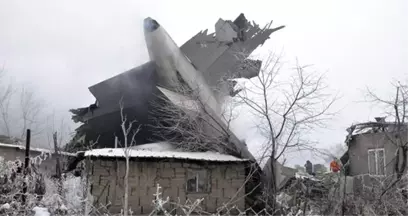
(206, 64)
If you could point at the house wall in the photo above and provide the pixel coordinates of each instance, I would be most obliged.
(48, 164)
(107, 176)
(358, 152)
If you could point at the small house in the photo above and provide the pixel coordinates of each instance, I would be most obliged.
(216, 178)
(372, 148)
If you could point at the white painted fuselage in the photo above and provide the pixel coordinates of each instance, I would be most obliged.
(170, 60)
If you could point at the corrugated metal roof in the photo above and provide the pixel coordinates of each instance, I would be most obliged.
(167, 153)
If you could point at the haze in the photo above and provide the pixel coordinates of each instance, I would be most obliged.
(61, 48)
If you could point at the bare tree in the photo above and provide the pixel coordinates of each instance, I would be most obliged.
(6, 93)
(127, 130)
(20, 109)
(396, 131)
(31, 109)
(287, 108)
(57, 126)
(185, 120)
(57, 136)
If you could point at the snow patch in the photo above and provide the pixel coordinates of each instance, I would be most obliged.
(299, 175)
(5, 206)
(161, 146)
(40, 211)
(63, 207)
(161, 150)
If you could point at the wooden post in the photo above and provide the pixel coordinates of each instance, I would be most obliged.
(58, 163)
(57, 155)
(26, 164)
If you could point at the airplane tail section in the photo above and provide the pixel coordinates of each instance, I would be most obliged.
(219, 56)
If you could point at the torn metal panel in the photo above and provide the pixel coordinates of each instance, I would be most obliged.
(216, 55)
(134, 87)
(203, 49)
(225, 31)
(281, 173)
(135, 83)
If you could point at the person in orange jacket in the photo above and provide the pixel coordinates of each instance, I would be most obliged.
(334, 165)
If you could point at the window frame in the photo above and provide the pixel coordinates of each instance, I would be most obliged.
(197, 177)
(376, 150)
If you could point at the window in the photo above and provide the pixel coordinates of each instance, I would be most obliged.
(376, 162)
(197, 181)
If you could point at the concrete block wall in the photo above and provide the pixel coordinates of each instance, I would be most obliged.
(226, 182)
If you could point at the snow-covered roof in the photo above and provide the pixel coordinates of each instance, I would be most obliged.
(161, 150)
(35, 149)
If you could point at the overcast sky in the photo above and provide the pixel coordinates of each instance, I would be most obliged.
(62, 47)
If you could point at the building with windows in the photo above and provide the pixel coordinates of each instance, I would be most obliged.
(372, 153)
(372, 148)
(183, 177)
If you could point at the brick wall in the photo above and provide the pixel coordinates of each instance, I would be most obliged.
(225, 180)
